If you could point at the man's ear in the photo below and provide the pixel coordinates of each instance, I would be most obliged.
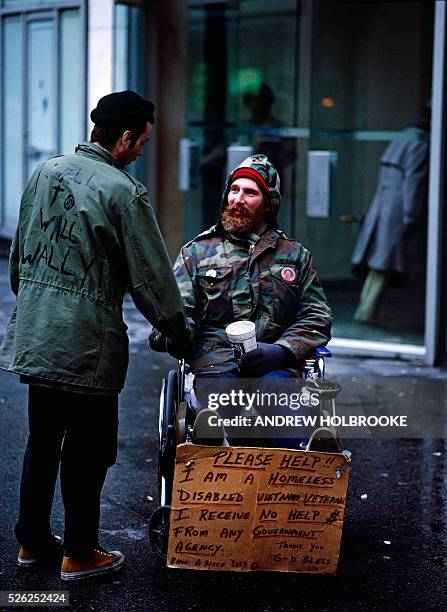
(126, 138)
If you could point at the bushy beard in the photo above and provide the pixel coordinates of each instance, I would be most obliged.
(237, 219)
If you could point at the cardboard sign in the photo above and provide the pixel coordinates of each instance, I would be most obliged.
(246, 509)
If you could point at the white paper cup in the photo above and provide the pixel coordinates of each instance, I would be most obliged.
(242, 336)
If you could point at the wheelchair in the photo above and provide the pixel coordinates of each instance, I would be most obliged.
(177, 413)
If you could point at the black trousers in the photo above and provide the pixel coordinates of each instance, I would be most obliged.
(79, 433)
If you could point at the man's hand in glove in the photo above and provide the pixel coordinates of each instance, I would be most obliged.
(175, 349)
(265, 358)
(157, 341)
(161, 343)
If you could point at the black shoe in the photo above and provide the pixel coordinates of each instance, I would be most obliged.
(204, 433)
(324, 440)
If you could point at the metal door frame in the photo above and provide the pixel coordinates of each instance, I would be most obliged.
(429, 353)
(437, 191)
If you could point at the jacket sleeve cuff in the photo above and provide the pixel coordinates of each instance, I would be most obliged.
(295, 354)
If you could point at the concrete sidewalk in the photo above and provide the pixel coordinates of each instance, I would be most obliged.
(393, 554)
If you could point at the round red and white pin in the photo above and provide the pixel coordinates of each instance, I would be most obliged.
(288, 275)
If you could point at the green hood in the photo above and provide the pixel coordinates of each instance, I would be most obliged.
(261, 164)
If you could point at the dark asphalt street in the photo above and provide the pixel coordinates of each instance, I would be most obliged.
(393, 553)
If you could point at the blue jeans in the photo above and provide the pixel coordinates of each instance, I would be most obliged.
(271, 383)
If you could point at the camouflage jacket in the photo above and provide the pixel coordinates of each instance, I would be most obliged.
(271, 282)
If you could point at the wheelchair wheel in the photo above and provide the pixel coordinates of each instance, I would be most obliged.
(167, 437)
(158, 531)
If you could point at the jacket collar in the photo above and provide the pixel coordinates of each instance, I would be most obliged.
(88, 149)
(269, 239)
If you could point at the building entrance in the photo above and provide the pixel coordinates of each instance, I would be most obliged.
(42, 92)
(337, 94)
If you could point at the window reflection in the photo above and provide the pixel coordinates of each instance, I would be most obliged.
(12, 120)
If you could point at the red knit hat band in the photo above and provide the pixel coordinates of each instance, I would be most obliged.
(250, 174)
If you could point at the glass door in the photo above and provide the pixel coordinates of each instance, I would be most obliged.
(241, 98)
(43, 85)
(40, 130)
(337, 94)
(130, 62)
(369, 110)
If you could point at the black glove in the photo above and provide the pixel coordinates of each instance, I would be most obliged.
(175, 349)
(157, 341)
(265, 358)
(162, 344)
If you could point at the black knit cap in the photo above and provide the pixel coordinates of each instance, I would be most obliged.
(122, 109)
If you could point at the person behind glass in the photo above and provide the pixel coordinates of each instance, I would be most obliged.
(279, 149)
(86, 234)
(246, 268)
(391, 240)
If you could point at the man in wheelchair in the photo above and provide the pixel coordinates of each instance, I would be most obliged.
(246, 268)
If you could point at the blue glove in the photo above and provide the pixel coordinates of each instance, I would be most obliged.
(265, 358)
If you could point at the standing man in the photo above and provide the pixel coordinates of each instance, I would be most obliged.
(86, 233)
(245, 267)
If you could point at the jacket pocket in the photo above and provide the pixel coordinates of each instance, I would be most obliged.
(214, 280)
(215, 292)
(284, 289)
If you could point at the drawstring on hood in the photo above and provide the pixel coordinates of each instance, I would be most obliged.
(269, 175)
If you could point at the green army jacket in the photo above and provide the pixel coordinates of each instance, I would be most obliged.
(272, 283)
(86, 233)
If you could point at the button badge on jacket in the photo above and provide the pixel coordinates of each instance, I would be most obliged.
(288, 275)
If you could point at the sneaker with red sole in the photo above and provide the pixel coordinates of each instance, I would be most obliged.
(48, 553)
(98, 562)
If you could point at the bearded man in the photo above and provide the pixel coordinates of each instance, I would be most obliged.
(245, 267)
